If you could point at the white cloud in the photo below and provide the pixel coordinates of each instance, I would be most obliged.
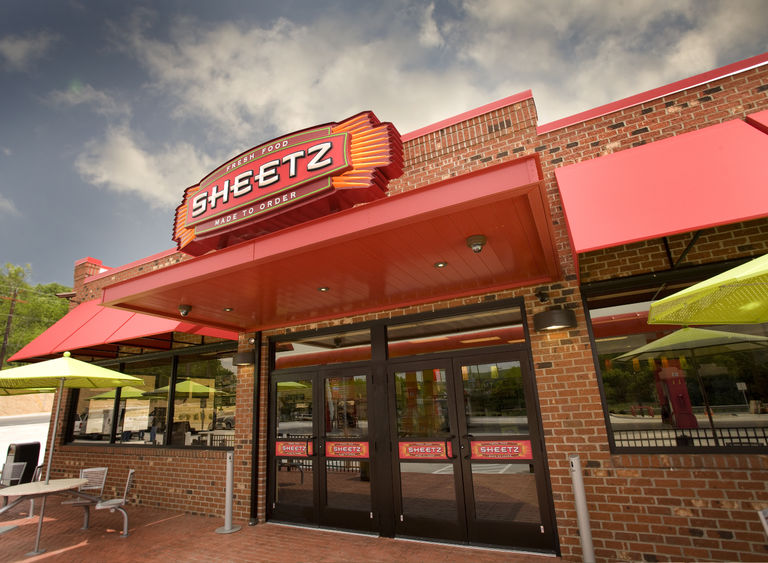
(7, 207)
(429, 35)
(19, 53)
(248, 82)
(251, 83)
(125, 163)
(79, 93)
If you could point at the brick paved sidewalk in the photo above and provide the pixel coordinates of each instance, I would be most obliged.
(157, 535)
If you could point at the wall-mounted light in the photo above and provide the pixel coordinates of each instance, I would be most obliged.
(476, 243)
(246, 358)
(184, 310)
(554, 319)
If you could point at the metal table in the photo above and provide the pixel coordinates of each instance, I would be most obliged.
(39, 489)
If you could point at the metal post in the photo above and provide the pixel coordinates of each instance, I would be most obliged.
(228, 528)
(582, 515)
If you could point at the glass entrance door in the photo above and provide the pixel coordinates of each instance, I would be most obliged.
(470, 465)
(321, 450)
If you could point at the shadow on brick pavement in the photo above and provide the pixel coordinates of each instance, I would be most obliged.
(158, 535)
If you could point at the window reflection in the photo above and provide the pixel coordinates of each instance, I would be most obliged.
(422, 403)
(203, 406)
(294, 408)
(346, 407)
(494, 399)
(695, 392)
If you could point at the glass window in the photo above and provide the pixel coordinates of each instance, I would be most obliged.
(682, 387)
(473, 330)
(143, 419)
(422, 403)
(94, 415)
(346, 407)
(203, 405)
(320, 350)
(294, 408)
(204, 402)
(494, 399)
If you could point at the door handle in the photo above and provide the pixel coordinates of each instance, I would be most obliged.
(449, 442)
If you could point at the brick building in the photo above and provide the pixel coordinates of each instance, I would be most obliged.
(378, 369)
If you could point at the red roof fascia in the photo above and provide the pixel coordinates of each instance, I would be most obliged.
(487, 108)
(656, 93)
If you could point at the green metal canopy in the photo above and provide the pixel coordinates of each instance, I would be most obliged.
(737, 296)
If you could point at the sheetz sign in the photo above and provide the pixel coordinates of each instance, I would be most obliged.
(289, 180)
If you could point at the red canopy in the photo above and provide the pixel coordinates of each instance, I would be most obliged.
(714, 176)
(95, 331)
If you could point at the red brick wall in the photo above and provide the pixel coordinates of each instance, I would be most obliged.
(643, 507)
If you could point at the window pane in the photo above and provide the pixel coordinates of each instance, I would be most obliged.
(350, 346)
(204, 402)
(346, 407)
(94, 415)
(143, 417)
(422, 403)
(294, 409)
(685, 388)
(473, 330)
(494, 400)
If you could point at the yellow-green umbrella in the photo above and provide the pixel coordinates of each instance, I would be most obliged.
(60, 373)
(127, 392)
(737, 296)
(186, 389)
(687, 340)
(31, 390)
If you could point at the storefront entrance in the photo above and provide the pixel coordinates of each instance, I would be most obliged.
(446, 447)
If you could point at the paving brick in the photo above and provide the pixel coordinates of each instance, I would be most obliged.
(162, 536)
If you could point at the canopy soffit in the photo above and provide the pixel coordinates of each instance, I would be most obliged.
(373, 257)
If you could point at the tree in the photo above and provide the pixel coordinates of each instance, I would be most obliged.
(26, 310)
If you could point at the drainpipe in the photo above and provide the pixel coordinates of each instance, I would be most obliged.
(582, 515)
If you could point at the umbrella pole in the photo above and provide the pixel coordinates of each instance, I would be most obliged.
(704, 396)
(55, 426)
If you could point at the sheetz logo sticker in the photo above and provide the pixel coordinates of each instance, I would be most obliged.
(288, 180)
(357, 450)
(425, 450)
(293, 449)
(502, 449)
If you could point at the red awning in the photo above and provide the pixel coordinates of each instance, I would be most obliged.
(373, 257)
(96, 332)
(696, 180)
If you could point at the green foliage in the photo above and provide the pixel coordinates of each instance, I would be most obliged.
(35, 308)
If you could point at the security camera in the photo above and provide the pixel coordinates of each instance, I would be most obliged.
(184, 310)
(476, 243)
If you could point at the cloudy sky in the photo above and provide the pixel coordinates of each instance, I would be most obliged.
(108, 109)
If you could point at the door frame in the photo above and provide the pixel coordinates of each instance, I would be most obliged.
(481, 532)
(319, 514)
